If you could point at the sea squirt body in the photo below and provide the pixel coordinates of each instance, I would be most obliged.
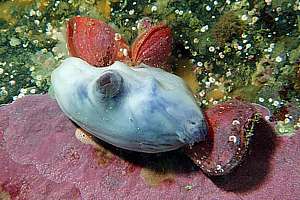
(141, 108)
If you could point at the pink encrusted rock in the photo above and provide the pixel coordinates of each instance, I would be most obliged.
(23, 181)
(42, 159)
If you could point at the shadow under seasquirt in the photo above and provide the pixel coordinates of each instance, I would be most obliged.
(246, 177)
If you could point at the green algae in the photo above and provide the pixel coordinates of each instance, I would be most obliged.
(226, 28)
(284, 129)
(250, 49)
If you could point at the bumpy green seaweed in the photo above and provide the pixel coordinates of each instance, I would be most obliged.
(245, 49)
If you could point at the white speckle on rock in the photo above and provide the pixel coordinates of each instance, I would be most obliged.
(154, 8)
(221, 55)
(268, 2)
(117, 36)
(244, 17)
(276, 103)
(125, 52)
(211, 79)
(236, 122)
(32, 12)
(211, 49)
(131, 12)
(38, 13)
(228, 73)
(267, 117)
(260, 99)
(33, 91)
(23, 91)
(278, 59)
(204, 28)
(12, 82)
(270, 100)
(232, 138)
(208, 8)
(200, 64)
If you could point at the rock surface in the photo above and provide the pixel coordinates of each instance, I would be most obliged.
(42, 159)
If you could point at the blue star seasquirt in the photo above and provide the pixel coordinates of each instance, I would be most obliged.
(141, 108)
